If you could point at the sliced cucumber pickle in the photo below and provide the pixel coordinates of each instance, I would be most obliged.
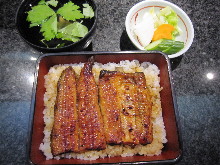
(175, 48)
(166, 46)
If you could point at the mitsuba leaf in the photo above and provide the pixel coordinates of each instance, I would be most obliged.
(79, 30)
(33, 24)
(39, 14)
(88, 11)
(67, 37)
(59, 35)
(75, 29)
(67, 29)
(70, 11)
(42, 2)
(52, 3)
(45, 17)
(72, 32)
(49, 28)
(60, 45)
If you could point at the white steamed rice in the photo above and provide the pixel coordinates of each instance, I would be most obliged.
(151, 72)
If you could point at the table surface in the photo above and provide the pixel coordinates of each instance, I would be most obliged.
(198, 95)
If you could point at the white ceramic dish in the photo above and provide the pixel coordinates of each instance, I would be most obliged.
(137, 11)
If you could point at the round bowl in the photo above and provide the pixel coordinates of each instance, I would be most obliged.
(137, 12)
(33, 36)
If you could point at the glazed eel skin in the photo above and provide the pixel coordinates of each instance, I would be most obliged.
(91, 128)
(110, 106)
(126, 107)
(87, 116)
(78, 124)
(64, 136)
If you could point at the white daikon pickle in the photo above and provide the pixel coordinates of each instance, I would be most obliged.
(145, 29)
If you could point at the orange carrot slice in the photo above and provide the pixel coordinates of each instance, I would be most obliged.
(164, 31)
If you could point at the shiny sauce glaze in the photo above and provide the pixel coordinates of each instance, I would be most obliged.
(88, 116)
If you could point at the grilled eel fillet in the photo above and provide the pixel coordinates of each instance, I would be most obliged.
(64, 136)
(126, 107)
(144, 130)
(91, 128)
(110, 106)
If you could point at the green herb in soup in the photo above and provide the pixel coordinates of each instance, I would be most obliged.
(65, 22)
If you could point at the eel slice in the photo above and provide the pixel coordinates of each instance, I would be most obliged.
(126, 107)
(128, 95)
(91, 128)
(110, 104)
(144, 132)
(64, 136)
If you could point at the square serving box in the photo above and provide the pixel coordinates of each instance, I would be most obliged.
(172, 150)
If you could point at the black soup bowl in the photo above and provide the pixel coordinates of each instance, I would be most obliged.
(34, 37)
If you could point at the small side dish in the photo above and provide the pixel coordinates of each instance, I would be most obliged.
(57, 25)
(60, 21)
(159, 25)
(158, 31)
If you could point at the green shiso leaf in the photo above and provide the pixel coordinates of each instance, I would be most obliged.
(88, 11)
(70, 11)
